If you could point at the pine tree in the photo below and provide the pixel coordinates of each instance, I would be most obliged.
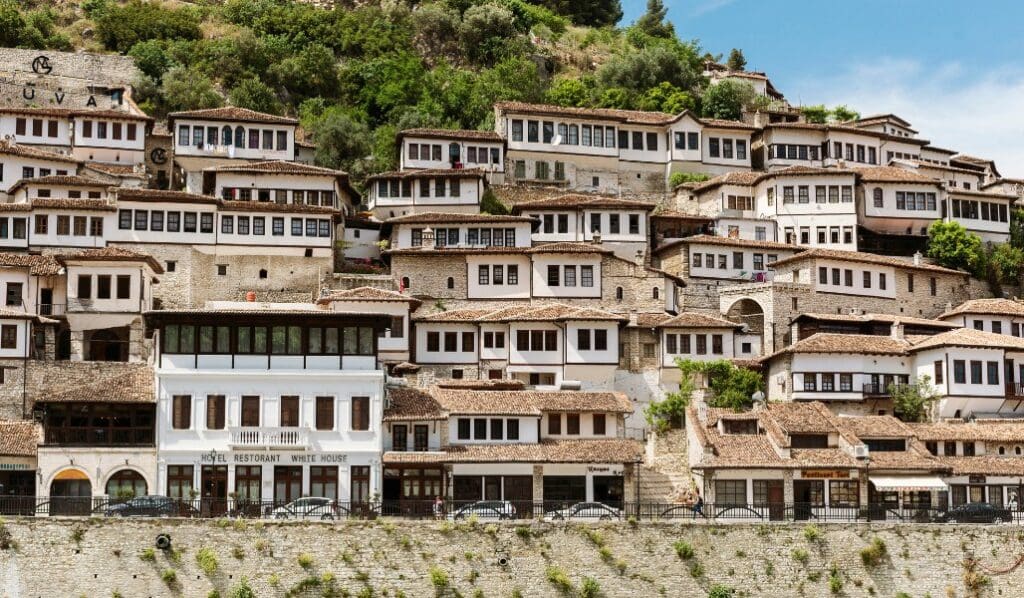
(653, 21)
(736, 62)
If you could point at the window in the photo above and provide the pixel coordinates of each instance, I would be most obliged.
(289, 412)
(570, 275)
(554, 424)
(215, 414)
(532, 131)
(910, 283)
(587, 276)
(360, 413)
(205, 222)
(227, 224)
(583, 339)
(713, 147)
(976, 372)
(993, 372)
(810, 382)
(181, 412)
(250, 411)
(881, 281)
(553, 278)
(599, 424)
(8, 336)
(933, 287)
(730, 492)
(84, 286)
(959, 371)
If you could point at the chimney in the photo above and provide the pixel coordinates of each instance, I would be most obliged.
(759, 120)
(896, 331)
(917, 258)
(428, 238)
(596, 238)
(639, 259)
(632, 317)
(250, 296)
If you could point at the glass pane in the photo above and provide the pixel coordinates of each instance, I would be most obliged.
(279, 337)
(171, 338)
(259, 339)
(315, 339)
(331, 341)
(365, 340)
(244, 339)
(206, 339)
(223, 339)
(294, 340)
(350, 341)
(188, 339)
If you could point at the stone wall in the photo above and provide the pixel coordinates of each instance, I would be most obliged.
(54, 557)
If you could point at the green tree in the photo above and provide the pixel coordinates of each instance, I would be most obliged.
(121, 27)
(309, 73)
(844, 113)
(341, 141)
(570, 91)
(490, 204)
(186, 89)
(1017, 228)
(910, 402)
(640, 70)
(487, 32)
(255, 95)
(653, 21)
(953, 246)
(726, 99)
(666, 98)
(589, 13)
(678, 178)
(1005, 260)
(151, 58)
(817, 114)
(728, 386)
(736, 61)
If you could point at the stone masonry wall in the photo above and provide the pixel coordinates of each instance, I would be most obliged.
(54, 557)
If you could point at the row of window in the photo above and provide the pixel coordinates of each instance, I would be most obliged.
(526, 340)
(72, 194)
(21, 127)
(115, 130)
(572, 134)
(844, 277)
(684, 344)
(726, 145)
(479, 428)
(103, 286)
(614, 227)
(832, 237)
(541, 170)
(29, 172)
(498, 274)
(974, 210)
(79, 226)
(907, 200)
(572, 424)
(739, 202)
(990, 368)
(842, 493)
(840, 151)
(421, 437)
(287, 482)
(827, 382)
(822, 194)
(181, 412)
(566, 276)
(488, 237)
(13, 228)
(442, 187)
(997, 327)
(309, 197)
(199, 136)
(158, 221)
(275, 340)
(689, 140)
(707, 260)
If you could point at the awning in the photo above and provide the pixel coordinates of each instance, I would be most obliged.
(909, 482)
(71, 474)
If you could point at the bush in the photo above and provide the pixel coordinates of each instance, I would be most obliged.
(439, 578)
(678, 178)
(490, 204)
(207, 560)
(169, 576)
(559, 579)
(148, 555)
(873, 554)
(835, 582)
(589, 588)
(305, 560)
(800, 555)
(683, 550)
(720, 591)
(121, 27)
(812, 533)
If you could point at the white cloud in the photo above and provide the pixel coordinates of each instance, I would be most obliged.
(976, 113)
(709, 6)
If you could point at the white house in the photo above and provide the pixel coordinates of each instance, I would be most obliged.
(19, 162)
(440, 149)
(995, 315)
(393, 194)
(622, 225)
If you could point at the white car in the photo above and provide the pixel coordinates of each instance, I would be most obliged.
(585, 511)
(311, 507)
(485, 510)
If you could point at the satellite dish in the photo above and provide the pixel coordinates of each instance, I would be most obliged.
(556, 140)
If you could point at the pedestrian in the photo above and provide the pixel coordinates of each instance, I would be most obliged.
(698, 507)
(438, 508)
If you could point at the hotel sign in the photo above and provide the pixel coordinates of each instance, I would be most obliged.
(275, 458)
(825, 474)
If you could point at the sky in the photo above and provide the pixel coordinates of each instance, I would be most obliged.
(954, 69)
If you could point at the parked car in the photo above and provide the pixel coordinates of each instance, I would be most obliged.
(486, 509)
(593, 511)
(150, 506)
(310, 507)
(975, 512)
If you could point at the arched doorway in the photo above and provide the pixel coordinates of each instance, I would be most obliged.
(71, 493)
(126, 484)
(749, 312)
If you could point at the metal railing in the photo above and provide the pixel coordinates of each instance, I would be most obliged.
(51, 309)
(322, 509)
(269, 437)
(1015, 390)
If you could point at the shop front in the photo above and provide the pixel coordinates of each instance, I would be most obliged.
(17, 485)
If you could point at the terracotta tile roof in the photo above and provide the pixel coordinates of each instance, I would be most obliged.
(801, 418)
(455, 315)
(450, 251)
(59, 179)
(731, 451)
(118, 170)
(24, 151)
(15, 207)
(451, 134)
(697, 320)
(960, 192)
(844, 127)
(991, 430)
(94, 205)
(463, 173)
(408, 404)
(867, 258)
(113, 254)
(873, 317)
(631, 116)
(611, 450)
(736, 177)
(868, 344)
(98, 382)
(827, 457)
(877, 119)
(580, 201)
(924, 164)
(70, 112)
(569, 247)
(992, 306)
(549, 312)
(368, 294)
(19, 438)
(912, 458)
(892, 174)
(969, 337)
(985, 465)
(136, 194)
(452, 218)
(731, 242)
(13, 313)
(269, 206)
(468, 383)
(232, 113)
(38, 265)
(651, 320)
(277, 167)
(875, 426)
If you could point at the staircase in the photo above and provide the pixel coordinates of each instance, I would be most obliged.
(665, 472)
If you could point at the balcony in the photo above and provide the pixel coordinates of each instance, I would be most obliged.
(1015, 390)
(51, 309)
(270, 438)
(882, 391)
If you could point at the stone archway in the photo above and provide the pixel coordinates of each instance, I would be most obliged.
(747, 311)
(70, 493)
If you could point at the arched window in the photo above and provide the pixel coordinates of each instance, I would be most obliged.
(405, 283)
(126, 484)
(1016, 450)
(1002, 450)
(655, 293)
(451, 282)
(618, 293)
(239, 136)
(225, 135)
(879, 202)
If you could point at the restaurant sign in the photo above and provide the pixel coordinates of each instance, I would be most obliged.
(275, 458)
(825, 474)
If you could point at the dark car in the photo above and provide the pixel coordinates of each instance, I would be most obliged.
(150, 506)
(975, 512)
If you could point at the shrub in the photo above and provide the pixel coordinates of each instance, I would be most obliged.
(524, 532)
(683, 549)
(720, 591)
(559, 579)
(274, 580)
(148, 555)
(305, 560)
(874, 554)
(238, 552)
(696, 570)
(6, 541)
(590, 588)
(596, 538)
(835, 582)
(678, 178)
(207, 560)
(169, 576)
(812, 533)
(439, 578)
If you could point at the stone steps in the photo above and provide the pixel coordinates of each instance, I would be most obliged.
(666, 473)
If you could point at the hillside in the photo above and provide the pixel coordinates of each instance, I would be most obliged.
(357, 73)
